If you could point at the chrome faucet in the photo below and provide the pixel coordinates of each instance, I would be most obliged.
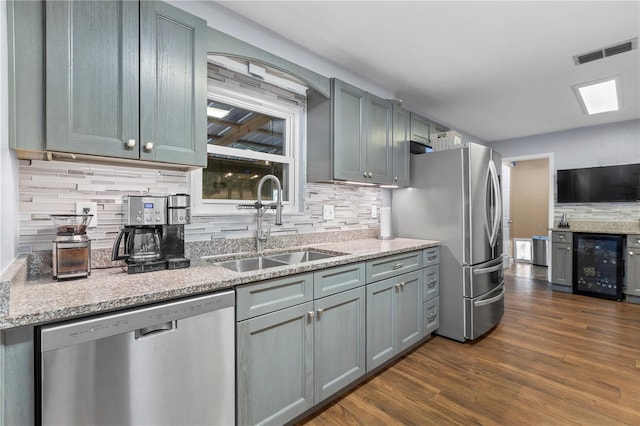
(262, 236)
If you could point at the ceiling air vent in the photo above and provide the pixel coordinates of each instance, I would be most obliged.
(604, 52)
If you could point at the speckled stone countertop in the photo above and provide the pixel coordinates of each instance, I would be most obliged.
(31, 302)
(602, 227)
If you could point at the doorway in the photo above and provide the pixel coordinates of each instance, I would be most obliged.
(527, 186)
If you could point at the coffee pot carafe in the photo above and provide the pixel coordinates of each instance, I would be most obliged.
(141, 244)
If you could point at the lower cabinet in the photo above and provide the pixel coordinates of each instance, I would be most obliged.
(562, 259)
(394, 316)
(292, 358)
(633, 269)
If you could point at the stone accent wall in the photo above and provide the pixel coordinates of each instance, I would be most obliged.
(598, 212)
(53, 187)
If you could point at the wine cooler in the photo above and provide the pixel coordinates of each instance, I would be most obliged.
(598, 268)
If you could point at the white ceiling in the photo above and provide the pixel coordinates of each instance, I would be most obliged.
(496, 70)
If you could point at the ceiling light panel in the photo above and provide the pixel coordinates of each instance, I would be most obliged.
(599, 96)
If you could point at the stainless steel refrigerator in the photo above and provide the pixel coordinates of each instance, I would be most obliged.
(455, 198)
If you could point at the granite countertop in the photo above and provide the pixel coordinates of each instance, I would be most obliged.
(31, 302)
(601, 227)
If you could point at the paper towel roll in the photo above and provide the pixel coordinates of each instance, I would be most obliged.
(385, 222)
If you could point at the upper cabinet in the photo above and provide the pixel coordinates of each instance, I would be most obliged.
(401, 147)
(349, 136)
(419, 129)
(123, 79)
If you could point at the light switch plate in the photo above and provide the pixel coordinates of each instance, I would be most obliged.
(88, 207)
(328, 212)
(374, 211)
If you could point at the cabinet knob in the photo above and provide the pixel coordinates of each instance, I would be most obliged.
(364, 174)
(395, 178)
(320, 311)
(630, 253)
(568, 248)
(148, 146)
(131, 143)
(370, 174)
(311, 314)
(397, 286)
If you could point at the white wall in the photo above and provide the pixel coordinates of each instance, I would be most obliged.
(8, 164)
(604, 145)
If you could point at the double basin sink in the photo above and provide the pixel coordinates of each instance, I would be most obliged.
(279, 259)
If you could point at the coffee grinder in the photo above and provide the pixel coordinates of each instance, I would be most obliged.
(72, 246)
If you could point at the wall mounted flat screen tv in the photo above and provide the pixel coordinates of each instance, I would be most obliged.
(599, 184)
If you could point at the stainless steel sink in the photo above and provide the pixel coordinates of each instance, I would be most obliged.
(251, 264)
(302, 256)
(274, 260)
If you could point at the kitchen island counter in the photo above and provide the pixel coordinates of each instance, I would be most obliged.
(31, 302)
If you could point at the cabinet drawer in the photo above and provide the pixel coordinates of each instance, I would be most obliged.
(390, 266)
(431, 315)
(431, 282)
(431, 256)
(269, 296)
(334, 280)
(562, 237)
(633, 240)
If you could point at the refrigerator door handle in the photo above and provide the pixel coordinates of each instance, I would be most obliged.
(489, 301)
(488, 270)
(497, 211)
(488, 179)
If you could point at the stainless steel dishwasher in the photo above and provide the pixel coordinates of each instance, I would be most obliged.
(166, 364)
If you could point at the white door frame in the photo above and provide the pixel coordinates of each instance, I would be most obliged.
(550, 216)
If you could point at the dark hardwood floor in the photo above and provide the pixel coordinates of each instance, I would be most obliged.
(555, 359)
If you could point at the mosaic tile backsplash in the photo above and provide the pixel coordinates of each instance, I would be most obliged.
(53, 187)
(598, 212)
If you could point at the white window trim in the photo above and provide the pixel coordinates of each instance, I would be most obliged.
(295, 142)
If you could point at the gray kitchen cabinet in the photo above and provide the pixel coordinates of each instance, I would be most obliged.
(294, 351)
(274, 362)
(431, 315)
(562, 259)
(126, 79)
(339, 341)
(401, 145)
(420, 129)
(394, 316)
(633, 269)
(437, 128)
(349, 136)
(431, 290)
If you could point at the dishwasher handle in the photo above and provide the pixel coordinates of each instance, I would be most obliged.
(154, 330)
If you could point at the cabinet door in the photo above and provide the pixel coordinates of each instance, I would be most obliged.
(419, 129)
(173, 85)
(431, 279)
(349, 151)
(431, 315)
(381, 322)
(561, 264)
(275, 366)
(409, 309)
(401, 158)
(92, 77)
(339, 341)
(378, 140)
(633, 271)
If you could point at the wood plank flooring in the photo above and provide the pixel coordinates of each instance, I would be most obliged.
(555, 359)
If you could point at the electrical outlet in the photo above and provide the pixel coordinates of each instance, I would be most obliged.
(327, 212)
(88, 207)
(374, 211)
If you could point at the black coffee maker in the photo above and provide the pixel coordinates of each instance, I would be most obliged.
(153, 236)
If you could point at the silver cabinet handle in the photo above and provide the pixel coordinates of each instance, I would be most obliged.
(320, 311)
(131, 143)
(433, 257)
(370, 174)
(630, 253)
(431, 317)
(402, 285)
(311, 314)
(397, 286)
(398, 265)
(364, 174)
(148, 146)
(432, 283)
(395, 178)
(568, 248)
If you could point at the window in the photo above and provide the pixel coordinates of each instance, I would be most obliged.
(248, 138)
